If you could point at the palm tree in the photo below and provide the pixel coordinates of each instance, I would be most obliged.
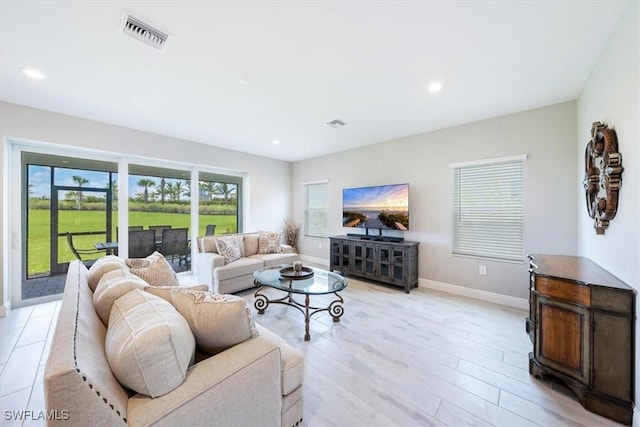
(177, 187)
(80, 181)
(206, 191)
(163, 190)
(225, 190)
(146, 183)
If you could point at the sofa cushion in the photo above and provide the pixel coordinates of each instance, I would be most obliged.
(217, 321)
(269, 242)
(149, 345)
(103, 265)
(154, 269)
(241, 267)
(228, 247)
(251, 244)
(164, 292)
(271, 260)
(112, 286)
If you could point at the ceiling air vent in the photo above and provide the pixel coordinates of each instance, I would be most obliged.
(336, 123)
(144, 32)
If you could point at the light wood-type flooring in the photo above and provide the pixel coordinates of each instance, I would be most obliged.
(421, 359)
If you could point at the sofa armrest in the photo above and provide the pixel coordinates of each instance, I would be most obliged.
(286, 249)
(205, 263)
(240, 386)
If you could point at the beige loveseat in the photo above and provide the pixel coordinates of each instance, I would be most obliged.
(224, 278)
(254, 383)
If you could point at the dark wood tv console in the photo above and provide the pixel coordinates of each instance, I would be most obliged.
(378, 258)
(582, 322)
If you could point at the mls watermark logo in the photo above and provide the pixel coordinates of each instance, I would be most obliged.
(28, 415)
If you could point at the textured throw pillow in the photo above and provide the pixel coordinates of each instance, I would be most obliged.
(228, 248)
(101, 266)
(149, 345)
(217, 321)
(112, 286)
(269, 242)
(154, 269)
(164, 292)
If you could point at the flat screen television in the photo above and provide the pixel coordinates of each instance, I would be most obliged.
(383, 207)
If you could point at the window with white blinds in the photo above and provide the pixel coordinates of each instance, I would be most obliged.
(488, 208)
(316, 209)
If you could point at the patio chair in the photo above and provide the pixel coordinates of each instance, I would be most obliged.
(211, 228)
(175, 244)
(141, 243)
(78, 253)
(158, 229)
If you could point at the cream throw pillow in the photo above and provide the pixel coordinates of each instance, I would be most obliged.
(154, 269)
(217, 321)
(101, 266)
(164, 292)
(228, 247)
(269, 242)
(149, 345)
(112, 286)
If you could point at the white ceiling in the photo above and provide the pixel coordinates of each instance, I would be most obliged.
(367, 63)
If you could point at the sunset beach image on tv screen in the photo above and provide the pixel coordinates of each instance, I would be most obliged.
(381, 207)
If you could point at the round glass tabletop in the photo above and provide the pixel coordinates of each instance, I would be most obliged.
(322, 281)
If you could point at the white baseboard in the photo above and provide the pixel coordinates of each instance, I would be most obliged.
(506, 300)
(636, 417)
(3, 311)
(323, 262)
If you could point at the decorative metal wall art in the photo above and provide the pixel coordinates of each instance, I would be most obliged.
(602, 175)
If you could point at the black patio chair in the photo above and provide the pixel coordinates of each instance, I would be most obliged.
(175, 244)
(141, 243)
(158, 229)
(78, 253)
(211, 228)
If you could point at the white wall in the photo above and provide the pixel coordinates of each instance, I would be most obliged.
(547, 134)
(612, 95)
(268, 180)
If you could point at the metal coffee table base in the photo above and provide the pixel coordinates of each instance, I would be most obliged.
(334, 308)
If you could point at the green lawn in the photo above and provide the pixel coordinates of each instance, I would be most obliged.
(82, 221)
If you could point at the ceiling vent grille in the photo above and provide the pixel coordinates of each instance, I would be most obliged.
(336, 123)
(144, 32)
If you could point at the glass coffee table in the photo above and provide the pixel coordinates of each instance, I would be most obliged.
(312, 281)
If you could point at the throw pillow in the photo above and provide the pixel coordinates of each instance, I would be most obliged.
(164, 292)
(149, 345)
(101, 266)
(251, 244)
(208, 244)
(269, 242)
(112, 286)
(217, 321)
(154, 269)
(228, 248)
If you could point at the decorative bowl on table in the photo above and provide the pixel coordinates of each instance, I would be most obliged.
(290, 273)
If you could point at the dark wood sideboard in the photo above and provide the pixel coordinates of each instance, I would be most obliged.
(383, 260)
(582, 326)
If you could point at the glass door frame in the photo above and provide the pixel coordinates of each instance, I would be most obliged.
(57, 267)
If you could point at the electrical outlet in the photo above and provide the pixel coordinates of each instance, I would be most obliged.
(319, 245)
(482, 270)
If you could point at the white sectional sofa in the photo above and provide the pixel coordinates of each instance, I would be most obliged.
(237, 275)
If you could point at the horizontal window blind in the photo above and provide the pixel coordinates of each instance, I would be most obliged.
(316, 210)
(488, 211)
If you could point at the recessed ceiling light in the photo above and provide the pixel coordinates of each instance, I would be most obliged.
(434, 87)
(276, 142)
(244, 81)
(33, 73)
